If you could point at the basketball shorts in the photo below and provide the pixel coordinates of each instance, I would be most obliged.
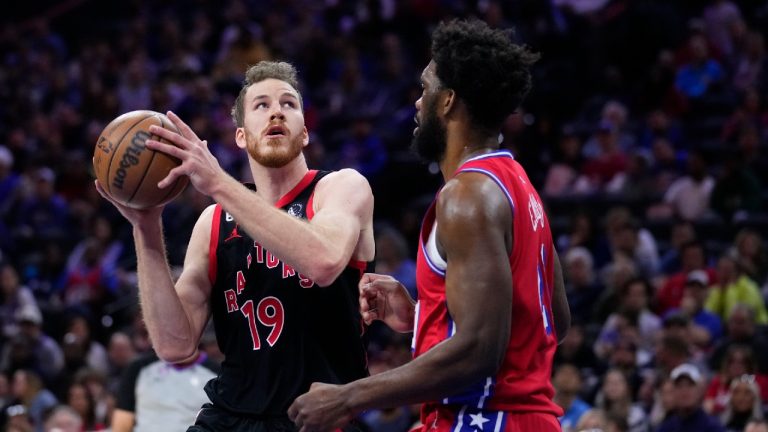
(214, 419)
(466, 419)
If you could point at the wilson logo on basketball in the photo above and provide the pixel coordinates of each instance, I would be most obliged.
(130, 157)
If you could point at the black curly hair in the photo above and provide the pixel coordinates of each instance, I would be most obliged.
(484, 67)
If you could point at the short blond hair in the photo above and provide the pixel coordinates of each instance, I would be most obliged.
(261, 71)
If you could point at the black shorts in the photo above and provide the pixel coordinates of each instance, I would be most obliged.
(214, 419)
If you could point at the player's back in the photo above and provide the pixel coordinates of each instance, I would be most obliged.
(523, 382)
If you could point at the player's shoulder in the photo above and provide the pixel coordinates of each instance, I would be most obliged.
(343, 176)
(347, 183)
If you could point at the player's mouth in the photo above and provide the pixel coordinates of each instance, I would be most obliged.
(276, 131)
(416, 120)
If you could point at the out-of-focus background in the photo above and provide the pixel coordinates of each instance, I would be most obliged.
(646, 134)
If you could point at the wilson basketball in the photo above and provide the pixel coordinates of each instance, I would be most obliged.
(128, 170)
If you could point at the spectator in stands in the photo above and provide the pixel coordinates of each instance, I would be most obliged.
(120, 353)
(614, 118)
(31, 348)
(562, 175)
(688, 414)
(82, 401)
(615, 398)
(155, 395)
(744, 404)
(697, 77)
(739, 361)
(608, 161)
(671, 352)
(734, 288)
(664, 402)
(692, 258)
(688, 197)
(568, 385)
(13, 297)
(681, 233)
(737, 191)
(44, 215)
(633, 322)
(29, 392)
(705, 326)
(751, 255)
(581, 286)
(742, 329)
(63, 419)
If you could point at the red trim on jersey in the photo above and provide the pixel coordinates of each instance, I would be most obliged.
(310, 206)
(308, 177)
(360, 265)
(214, 243)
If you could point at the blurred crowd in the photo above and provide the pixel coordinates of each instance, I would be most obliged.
(646, 133)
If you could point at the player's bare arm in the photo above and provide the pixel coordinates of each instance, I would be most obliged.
(175, 315)
(474, 234)
(560, 309)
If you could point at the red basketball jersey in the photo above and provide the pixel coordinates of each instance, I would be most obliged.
(523, 382)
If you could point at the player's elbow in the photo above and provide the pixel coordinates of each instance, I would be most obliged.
(326, 269)
(174, 354)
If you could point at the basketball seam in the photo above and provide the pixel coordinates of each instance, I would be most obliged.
(112, 157)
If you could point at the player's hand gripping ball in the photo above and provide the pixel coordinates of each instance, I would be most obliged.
(127, 170)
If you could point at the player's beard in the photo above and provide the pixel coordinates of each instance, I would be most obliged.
(430, 140)
(272, 153)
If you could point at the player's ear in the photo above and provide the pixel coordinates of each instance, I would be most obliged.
(240, 137)
(305, 137)
(449, 100)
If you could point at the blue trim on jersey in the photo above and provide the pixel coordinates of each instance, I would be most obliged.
(498, 153)
(473, 420)
(431, 265)
(476, 396)
(451, 324)
(498, 182)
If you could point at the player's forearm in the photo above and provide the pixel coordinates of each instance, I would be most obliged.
(167, 322)
(445, 370)
(307, 248)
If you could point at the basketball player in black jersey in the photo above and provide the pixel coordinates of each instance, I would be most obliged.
(276, 264)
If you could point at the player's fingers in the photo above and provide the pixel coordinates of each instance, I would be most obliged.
(167, 134)
(171, 177)
(184, 129)
(168, 149)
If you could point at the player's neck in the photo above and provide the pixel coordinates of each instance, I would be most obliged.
(465, 143)
(273, 183)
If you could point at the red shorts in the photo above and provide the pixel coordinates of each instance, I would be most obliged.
(474, 420)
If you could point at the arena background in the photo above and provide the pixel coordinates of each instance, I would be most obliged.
(646, 133)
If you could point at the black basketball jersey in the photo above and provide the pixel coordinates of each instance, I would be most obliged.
(278, 330)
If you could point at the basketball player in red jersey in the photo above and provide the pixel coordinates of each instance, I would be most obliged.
(276, 264)
(492, 306)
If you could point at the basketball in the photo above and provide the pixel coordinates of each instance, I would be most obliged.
(127, 170)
